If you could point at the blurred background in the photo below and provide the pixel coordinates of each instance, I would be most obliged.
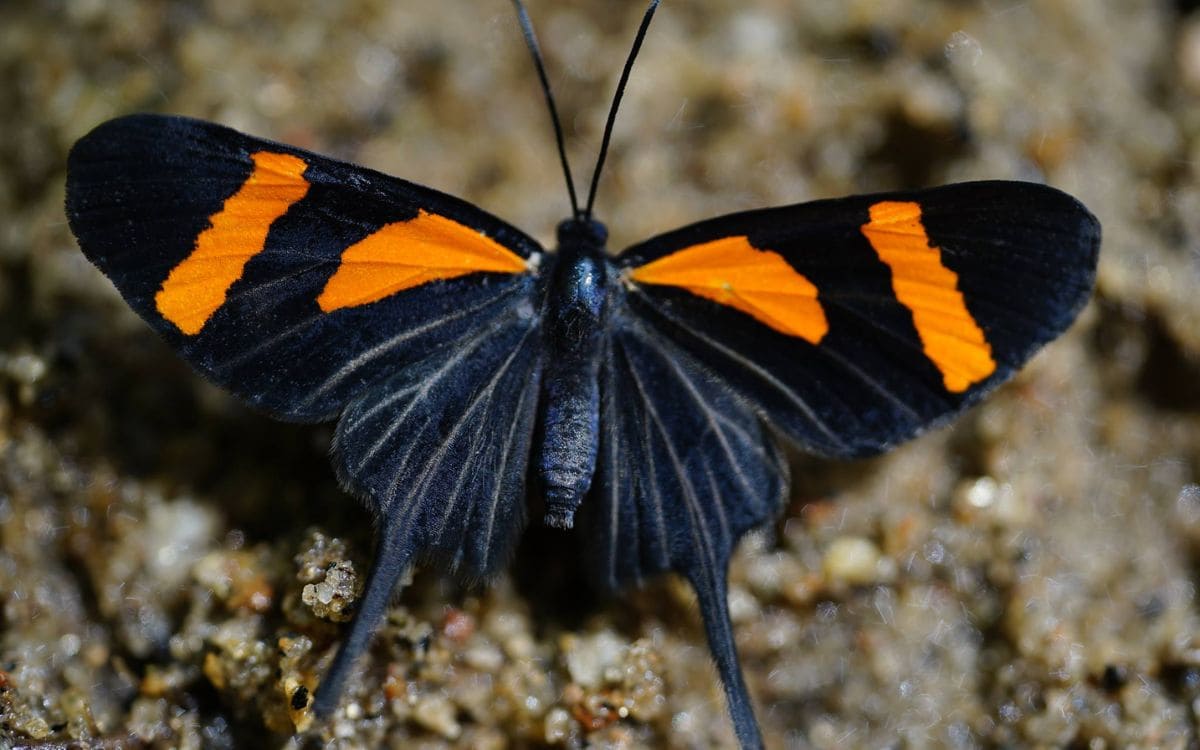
(174, 567)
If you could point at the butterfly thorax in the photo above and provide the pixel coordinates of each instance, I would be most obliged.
(575, 312)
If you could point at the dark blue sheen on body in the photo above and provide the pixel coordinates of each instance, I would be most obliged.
(576, 313)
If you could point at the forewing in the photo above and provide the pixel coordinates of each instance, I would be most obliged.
(293, 280)
(854, 324)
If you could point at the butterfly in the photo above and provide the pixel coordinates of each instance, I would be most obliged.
(478, 379)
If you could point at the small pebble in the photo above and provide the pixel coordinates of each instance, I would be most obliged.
(590, 658)
(437, 714)
(852, 560)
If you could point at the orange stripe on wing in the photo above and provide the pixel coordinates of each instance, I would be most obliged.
(951, 338)
(732, 272)
(196, 288)
(406, 254)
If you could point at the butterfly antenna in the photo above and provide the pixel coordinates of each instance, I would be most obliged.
(612, 111)
(534, 50)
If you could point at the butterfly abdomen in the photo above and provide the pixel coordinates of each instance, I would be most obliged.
(575, 314)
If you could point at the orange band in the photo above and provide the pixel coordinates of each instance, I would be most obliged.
(951, 338)
(196, 288)
(732, 272)
(407, 254)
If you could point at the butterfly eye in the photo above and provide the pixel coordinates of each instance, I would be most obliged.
(579, 231)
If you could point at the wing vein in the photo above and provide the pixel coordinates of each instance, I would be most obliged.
(699, 531)
(432, 380)
(660, 522)
(758, 371)
(705, 409)
(383, 347)
(612, 450)
(482, 396)
(503, 470)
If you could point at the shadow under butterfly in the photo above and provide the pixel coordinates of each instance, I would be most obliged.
(638, 394)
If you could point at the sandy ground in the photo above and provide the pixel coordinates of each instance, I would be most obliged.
(173, 566)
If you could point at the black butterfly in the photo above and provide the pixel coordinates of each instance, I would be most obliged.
(636, 394)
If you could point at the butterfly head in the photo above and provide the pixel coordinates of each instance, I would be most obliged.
(582, 231)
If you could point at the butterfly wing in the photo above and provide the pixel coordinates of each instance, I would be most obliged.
(850, 325)
(440, 451)
(292, 280)
(854, 324)
(313, 288)
(685, 468)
